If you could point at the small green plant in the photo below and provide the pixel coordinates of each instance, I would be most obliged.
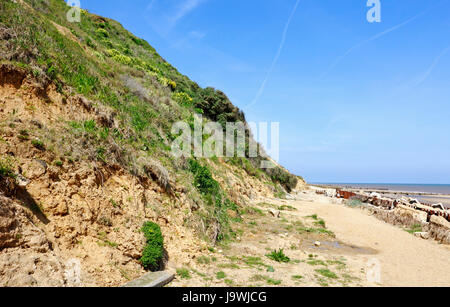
(414, 228)
(6, 166)
(253, 261)
(114, 203)
(184, 273)
(297, 277)
(58, 163)
(154, 250)
(38, 144)
(316, 262)
(278, 256)
(327, 273)
(315, 230)
(274, 282)
(286, 208)
(203, 260)
(24, 135)
(229, 282)
(320, 223)
(221, 275)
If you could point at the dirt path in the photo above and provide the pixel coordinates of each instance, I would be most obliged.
(405, 260)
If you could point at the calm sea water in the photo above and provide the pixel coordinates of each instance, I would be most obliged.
(424, 188)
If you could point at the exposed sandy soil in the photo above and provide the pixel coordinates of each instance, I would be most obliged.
(361, 239)
(405, 260)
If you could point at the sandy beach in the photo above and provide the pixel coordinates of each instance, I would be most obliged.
(405, 260)
(358, 239)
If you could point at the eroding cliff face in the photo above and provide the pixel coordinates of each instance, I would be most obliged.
(68, 221)
(27, 257)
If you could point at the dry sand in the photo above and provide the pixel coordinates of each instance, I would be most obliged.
(405, 260)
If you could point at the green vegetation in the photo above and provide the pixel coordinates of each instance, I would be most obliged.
(6, 167)
(229, 282)
(154, 250)
(278, 256)
(316, 262)
(215, 198)
(184, 273)
(38, 144)
(414, 228)
(274, 282)
(316, 230)
(204, 260)
(287, 208)
(254, 261)
(221, 275)
(267, 279)
(327, 273)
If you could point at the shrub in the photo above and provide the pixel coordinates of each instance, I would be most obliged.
(203, 179)
(102, 32)
(286, 179)
(154, 249)
(183, 99)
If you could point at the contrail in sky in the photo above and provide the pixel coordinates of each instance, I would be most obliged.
(275, 60)
(339, 59)
(433, 65)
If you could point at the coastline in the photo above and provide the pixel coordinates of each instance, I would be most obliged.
(423, 196)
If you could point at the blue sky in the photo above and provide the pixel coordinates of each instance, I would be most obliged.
(356, 101)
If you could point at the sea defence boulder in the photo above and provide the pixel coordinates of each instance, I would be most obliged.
(439, 229)
(401, 215)
(405, 211)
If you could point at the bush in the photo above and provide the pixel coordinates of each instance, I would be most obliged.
(102, 32)
(154, 249)
(286, 179)
(203, 179)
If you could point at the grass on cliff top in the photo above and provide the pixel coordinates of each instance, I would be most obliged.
(98, 58)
